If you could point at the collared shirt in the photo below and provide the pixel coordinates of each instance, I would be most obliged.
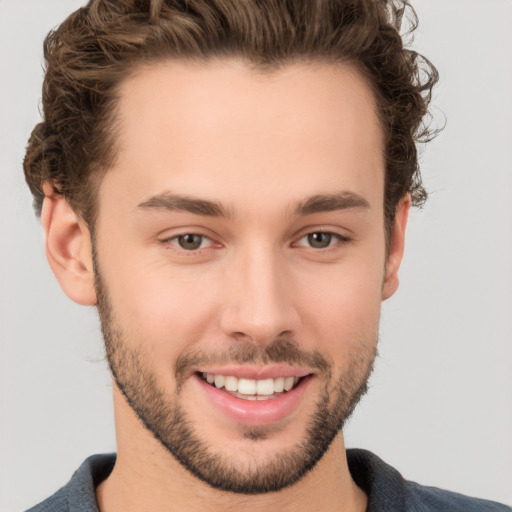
(385, 487)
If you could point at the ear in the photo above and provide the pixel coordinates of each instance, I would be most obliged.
(68, 248)
(396, 247)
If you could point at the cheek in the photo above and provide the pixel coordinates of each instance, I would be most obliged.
(160, 310)
(346, 301)
(341, 307)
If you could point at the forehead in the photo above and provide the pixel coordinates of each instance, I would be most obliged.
(224, 130)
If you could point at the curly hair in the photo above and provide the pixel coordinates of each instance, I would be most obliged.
(99, 45)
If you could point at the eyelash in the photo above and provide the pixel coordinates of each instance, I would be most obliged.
(174, 240)
(338, 240)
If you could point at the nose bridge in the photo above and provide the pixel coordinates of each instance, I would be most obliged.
(258, 303)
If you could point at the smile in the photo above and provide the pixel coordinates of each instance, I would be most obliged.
(251, 389)
(254, 397)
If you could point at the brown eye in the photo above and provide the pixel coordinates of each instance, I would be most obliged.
(190, 242)
(319, 240)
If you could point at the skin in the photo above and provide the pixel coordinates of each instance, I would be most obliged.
(259, 144)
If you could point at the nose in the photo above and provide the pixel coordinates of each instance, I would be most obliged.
(258, 298)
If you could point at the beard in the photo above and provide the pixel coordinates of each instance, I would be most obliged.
(164, 417)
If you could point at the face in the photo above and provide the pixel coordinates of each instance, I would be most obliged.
(240, 262)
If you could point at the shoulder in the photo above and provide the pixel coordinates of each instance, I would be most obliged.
(55, 503)
(422, 498)
(78, 495)
(387, 490)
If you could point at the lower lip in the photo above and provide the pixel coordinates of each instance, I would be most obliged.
(255, 412)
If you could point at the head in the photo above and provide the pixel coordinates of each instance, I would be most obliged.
(229, 183)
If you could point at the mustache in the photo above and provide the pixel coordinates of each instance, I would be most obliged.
(280, 350)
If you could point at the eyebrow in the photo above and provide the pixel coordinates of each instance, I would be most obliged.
(173, 202)
(315, 204)
(331, 202)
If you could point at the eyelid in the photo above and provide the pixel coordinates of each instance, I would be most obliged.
(325, 229)
(340, 238)
(175, 238)
(175, 232)
(171, 239)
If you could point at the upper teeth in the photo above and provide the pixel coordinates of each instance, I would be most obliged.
(251, 386)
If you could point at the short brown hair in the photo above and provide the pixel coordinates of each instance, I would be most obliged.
(97, 46)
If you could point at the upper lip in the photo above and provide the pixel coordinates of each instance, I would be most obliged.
(257, 372)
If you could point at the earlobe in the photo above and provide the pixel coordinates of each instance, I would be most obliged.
(396, 248)
(68, 248)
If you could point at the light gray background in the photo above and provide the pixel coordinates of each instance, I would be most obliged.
(439, 408)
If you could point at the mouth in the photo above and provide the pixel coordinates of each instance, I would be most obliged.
(251, 389)
(254, 398)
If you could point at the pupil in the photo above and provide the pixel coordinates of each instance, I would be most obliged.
(190, 242)
(319, 240)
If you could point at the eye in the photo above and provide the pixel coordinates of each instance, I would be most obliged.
(321, 239)
(190, 241)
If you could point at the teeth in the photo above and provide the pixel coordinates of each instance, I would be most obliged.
(247, 386)
(251, 388)
(288, 383)
(231, 384)
(265, 387)
(279, 385)
(220, 381)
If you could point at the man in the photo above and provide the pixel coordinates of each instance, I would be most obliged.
(230, 187)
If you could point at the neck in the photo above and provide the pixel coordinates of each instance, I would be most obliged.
(147, 477)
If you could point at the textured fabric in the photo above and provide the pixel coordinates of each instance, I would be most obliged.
(78, 494)
(386, 489)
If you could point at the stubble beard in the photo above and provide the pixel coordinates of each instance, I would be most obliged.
(164, 417)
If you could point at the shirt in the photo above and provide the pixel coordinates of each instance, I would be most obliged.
(385, 487)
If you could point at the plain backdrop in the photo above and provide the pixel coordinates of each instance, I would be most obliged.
(440, 404)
